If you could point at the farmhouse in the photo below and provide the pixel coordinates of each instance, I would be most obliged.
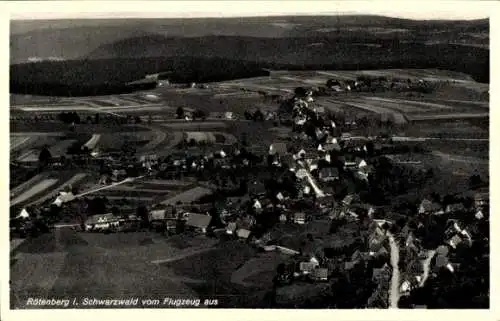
(101, 222)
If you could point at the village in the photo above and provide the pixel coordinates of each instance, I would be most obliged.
(326, 197)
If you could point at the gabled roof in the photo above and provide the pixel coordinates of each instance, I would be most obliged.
(198, 220)
(329, 172)
(427, 206)
(278, 148)
(243, 233)
(331, 146)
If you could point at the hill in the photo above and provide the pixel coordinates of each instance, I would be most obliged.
(74, 39)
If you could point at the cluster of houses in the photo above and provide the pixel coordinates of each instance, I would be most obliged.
(306, 170)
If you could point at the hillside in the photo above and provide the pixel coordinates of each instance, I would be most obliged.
(74, 39)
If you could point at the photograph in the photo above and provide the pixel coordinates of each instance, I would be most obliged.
(306, 155)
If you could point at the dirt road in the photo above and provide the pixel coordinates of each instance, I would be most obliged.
(394, 289)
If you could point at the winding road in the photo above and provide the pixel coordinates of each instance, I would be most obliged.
(394, 289)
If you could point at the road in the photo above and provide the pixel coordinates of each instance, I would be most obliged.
(394, 289)
(426, 266)
(182, 256)
(127, 180)
(312, 182)
(422, 139)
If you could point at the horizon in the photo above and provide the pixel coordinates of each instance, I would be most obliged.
(84, 10)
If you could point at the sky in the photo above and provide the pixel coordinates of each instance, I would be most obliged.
(424, 9)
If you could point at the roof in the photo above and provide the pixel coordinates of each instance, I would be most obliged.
(243, 233)
(299, 216)
(382, 272)
(457, 207)
(428, 206)
(162, 214)
(198, 220)
(278, 148)
(101, 219)
(307, 266)
(320, 273)
(329, 172)
(330, 147)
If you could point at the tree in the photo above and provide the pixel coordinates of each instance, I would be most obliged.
(248, 115)
(143, 214)
(44, 157)
(200, 114)
(96, 118)
(258, 115)
(300, 92)
(137, 119)
(475, 180)
(180, 112)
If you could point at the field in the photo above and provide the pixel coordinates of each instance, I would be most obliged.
(150, 191)
(45, 187)
(117, 265)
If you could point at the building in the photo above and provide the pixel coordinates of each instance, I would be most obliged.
(328, 174)
(102, 222)
(299, 218)
(428, 207)
(198, 221)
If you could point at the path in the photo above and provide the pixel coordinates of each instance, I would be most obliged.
(421, 139)
(426, 266)
(394, 289)
(182, 256)
(127, 180)
(312, 182)
(461, 159)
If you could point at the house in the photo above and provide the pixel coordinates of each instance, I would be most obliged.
(481, 199)
(167, 213)
(327, 201)
(330, 147)
(307, 267)
(405, 287)
(453, 208)
(328, 174)
(350, 199)
(376, 239)
(382, 252)
(231, 228)
(283, 218)
(442, 250)
(278, 148)
(299, 218)
(359, 256)
(101, 222)
(320, 274)
(198, 221)
(428, 207)
(381, 274)
(64, 197)
(301, 173)
(256, 188)
(243, 233)
(454, 241)
(23, 214)
(441, 262)
(119, 174)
